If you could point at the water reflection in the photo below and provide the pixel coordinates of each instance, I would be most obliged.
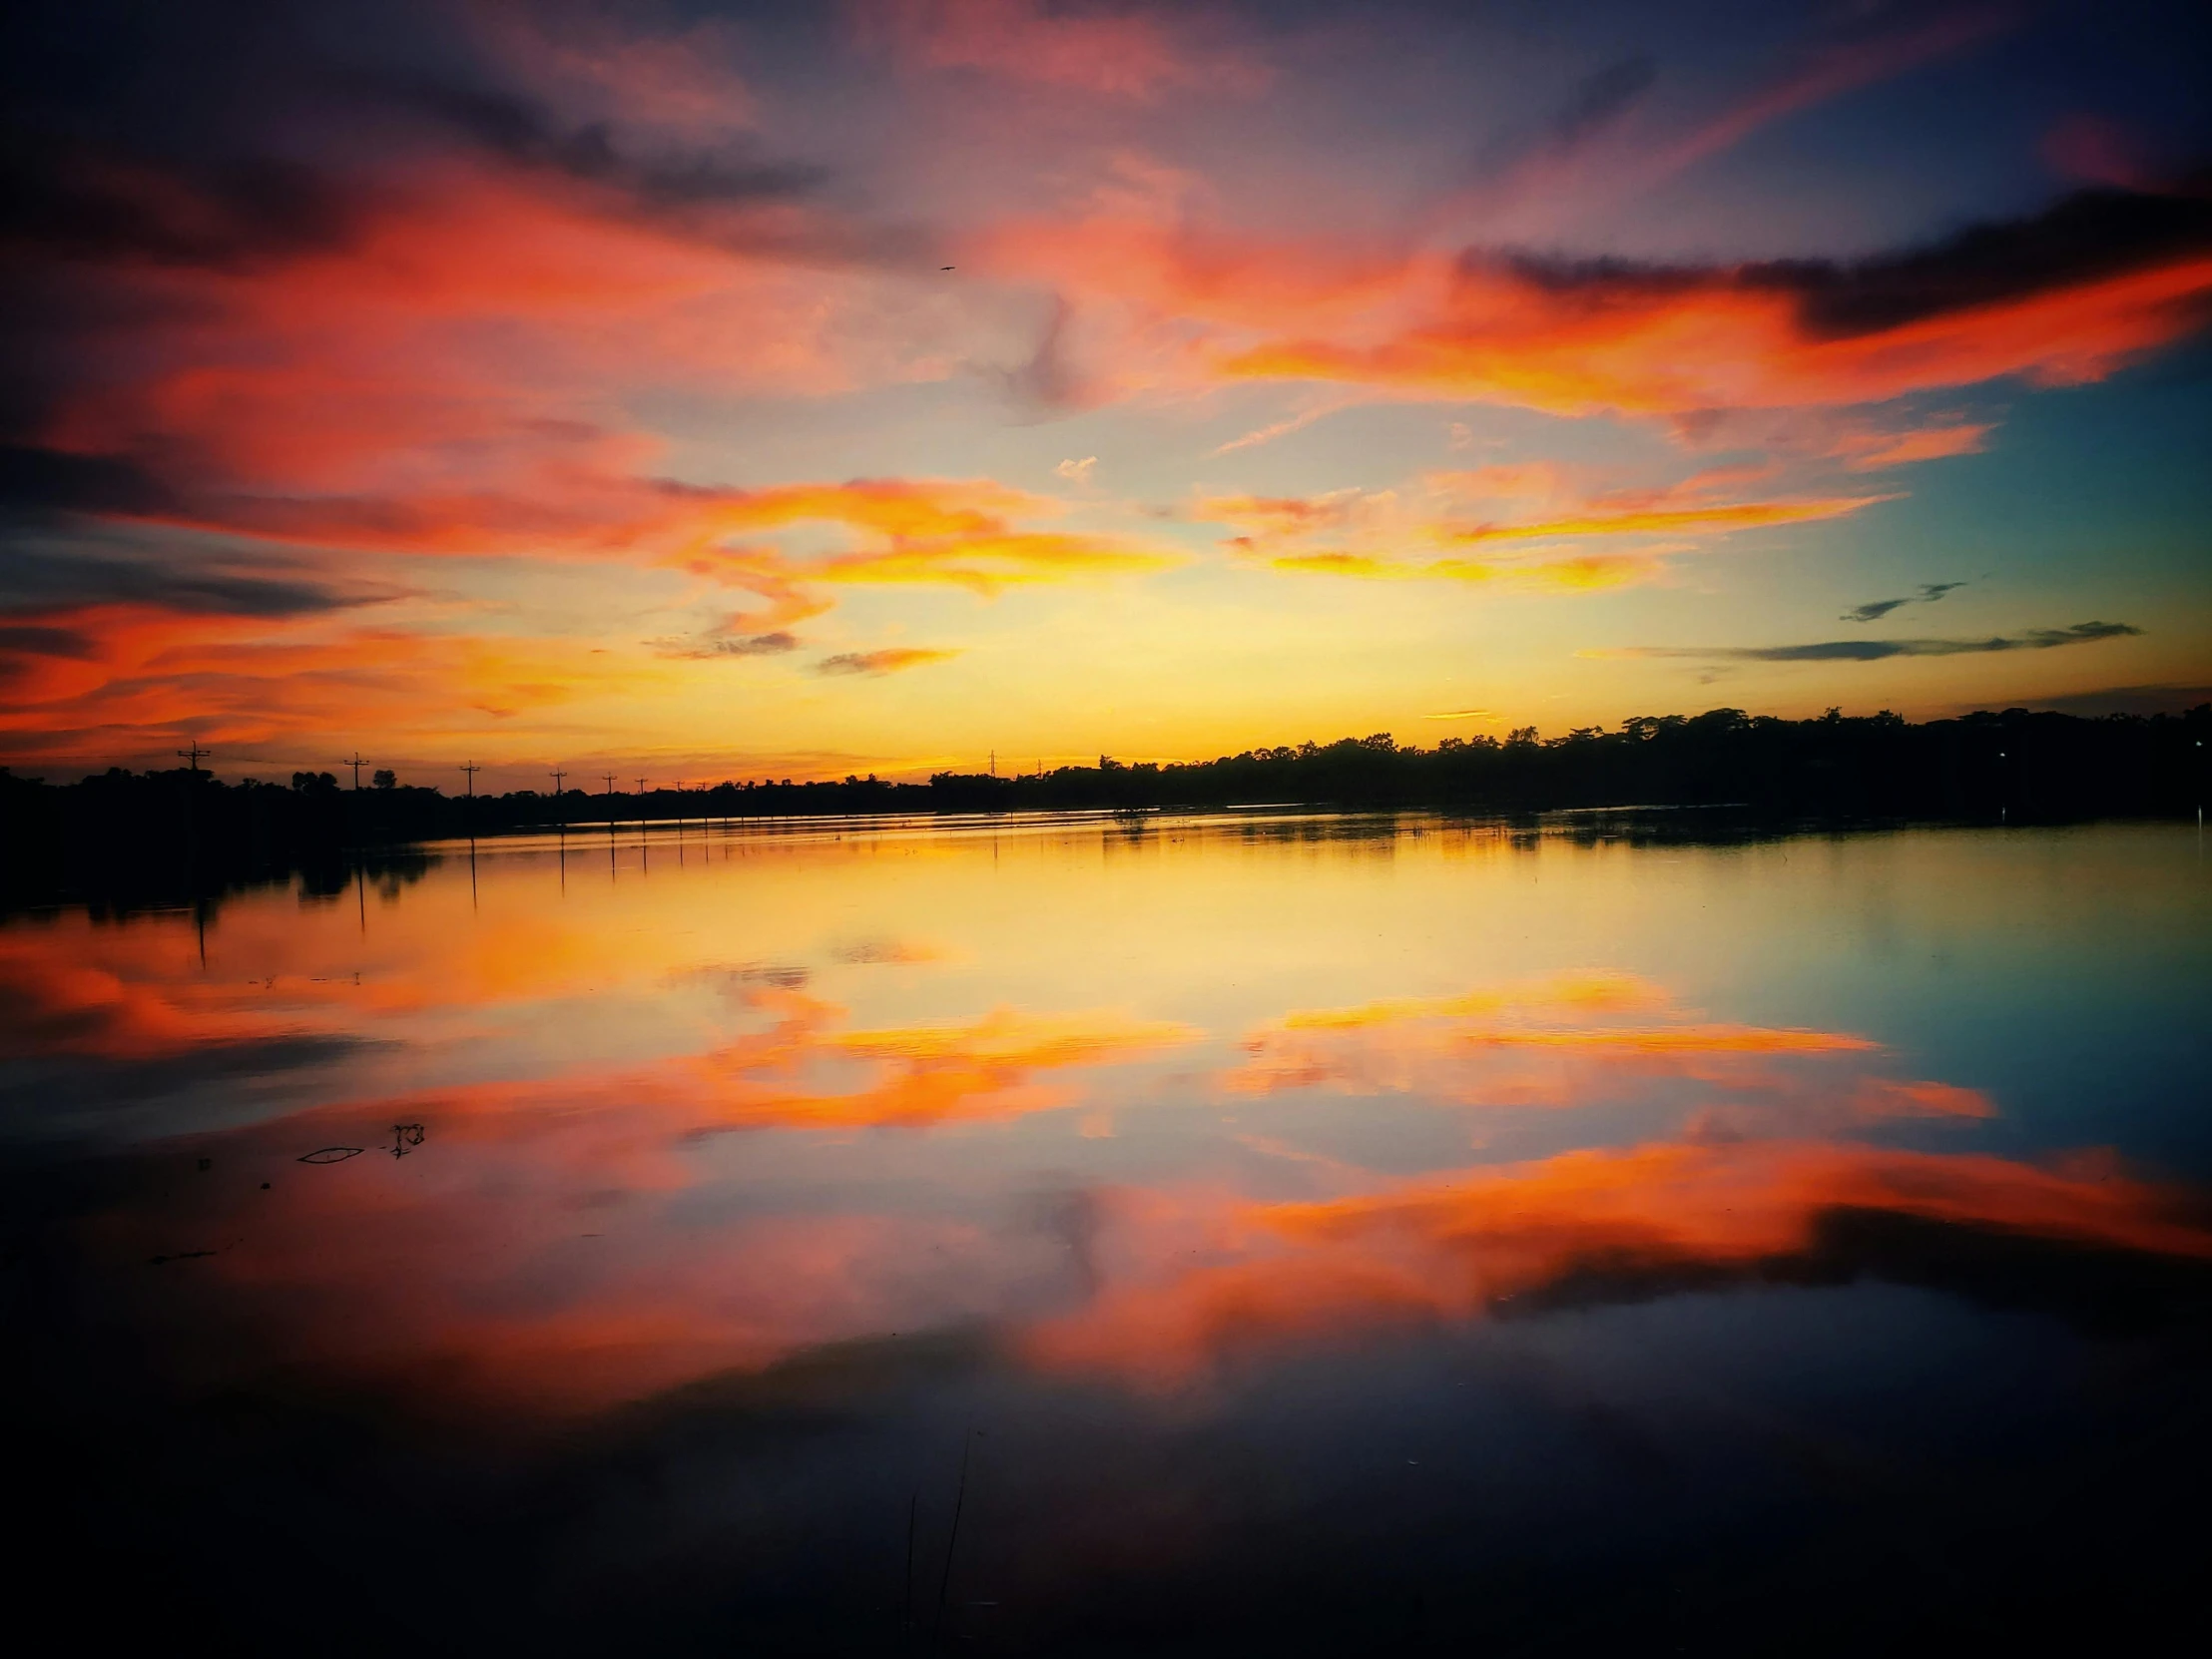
(1167, 1148)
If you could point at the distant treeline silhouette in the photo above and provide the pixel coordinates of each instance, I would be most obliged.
(2015, 764)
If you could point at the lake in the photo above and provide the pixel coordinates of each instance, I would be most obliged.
(1259, 1231)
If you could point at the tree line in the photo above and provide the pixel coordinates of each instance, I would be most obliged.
(2014, 765)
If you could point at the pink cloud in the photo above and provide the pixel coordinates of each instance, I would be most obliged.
(1117, 52)
(1871, 451)
(1830, 74)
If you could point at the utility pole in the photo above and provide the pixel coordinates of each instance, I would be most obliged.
(193, 757)
(994, 763)
(557, 775)
(468, 822)
(356, 762)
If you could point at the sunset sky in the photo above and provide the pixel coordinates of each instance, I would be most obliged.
(720, 391)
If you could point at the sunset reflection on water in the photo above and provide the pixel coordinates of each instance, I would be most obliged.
(1158, 1116)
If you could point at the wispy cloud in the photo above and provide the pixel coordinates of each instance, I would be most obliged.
(1280, 429)
(740, 645)
(1871, 651)
(1510, 513)
(1841, 68)
(1600, 149)
(2125, 699)
(1870, 451)
(1133, 53)
(893, 659)
(1875, 610)
(2062, 296)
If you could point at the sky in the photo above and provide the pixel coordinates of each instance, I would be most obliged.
(699, 391)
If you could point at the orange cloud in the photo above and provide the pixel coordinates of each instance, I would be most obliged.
(437, 383)
(1870, 451)
(985, 1069)
(486, 1285)
(469, 323)
(52, 1003)
(964, 533)
(1575, 1042)
(1192, 1284)
(145, 679)
(959, 533)
(95, 682)
(2070, 296)
(981, 1069)
(1718, 517)
(1679, 345)
(1375, 533)
(890, 661)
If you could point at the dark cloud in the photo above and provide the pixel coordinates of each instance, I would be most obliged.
(1048, 382)
(1601, 98)
(2090, 235)
(2085, 236)
(2125, 699)
(1875, 610)
(889, 661)
(72, 199)
(41, 584)
(759, 645)
(49, 482)
(1594, 104)
(60, 1096)
(1873, 651)
(230, 135)
(754, 645)
(523, 132)
(41, 640)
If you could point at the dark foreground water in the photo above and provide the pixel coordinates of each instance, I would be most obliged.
(1238, 1235)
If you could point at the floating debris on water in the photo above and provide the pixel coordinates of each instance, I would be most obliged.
(332, 1154)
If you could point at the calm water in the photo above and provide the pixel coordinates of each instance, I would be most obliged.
(1262, 1233)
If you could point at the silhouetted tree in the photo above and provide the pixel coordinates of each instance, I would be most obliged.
(122, 831)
